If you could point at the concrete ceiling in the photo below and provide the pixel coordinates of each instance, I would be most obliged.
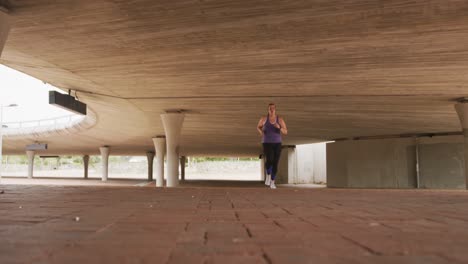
(334, 68)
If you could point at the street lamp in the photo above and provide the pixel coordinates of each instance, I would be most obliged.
(1, 134)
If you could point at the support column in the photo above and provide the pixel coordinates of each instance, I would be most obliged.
(4, 28)
(462, 111)
(150, 157)
(160, 147)
(86, 165)
(262, 167)
(172, 123)
(105, 161)
(182, 168)
(30, 154)
(287, 165)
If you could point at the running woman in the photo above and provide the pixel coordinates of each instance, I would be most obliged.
(270, 128)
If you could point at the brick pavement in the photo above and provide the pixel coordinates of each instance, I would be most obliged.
(231, 225)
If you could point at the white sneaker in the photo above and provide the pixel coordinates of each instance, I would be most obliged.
(268, 180)
(272, 185)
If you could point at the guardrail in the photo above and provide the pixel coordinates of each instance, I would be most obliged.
(62, 124)
(50, 122)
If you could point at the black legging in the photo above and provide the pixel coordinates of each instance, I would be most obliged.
(272, 152)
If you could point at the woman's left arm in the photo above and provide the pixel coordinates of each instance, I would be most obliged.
(283, 129)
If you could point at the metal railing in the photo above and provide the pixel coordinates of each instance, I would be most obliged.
(42, 124)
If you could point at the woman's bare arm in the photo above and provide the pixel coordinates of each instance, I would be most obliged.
(283, 129)
(260, 126)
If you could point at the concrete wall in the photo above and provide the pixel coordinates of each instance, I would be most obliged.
(311, 164)
(441, 163)
(302, 164)
(286, 165)
(391, 163)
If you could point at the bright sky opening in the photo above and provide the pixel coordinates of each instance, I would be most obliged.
(30, 94)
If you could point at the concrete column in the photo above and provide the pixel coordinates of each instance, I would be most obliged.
(105, 161)
(287, 166)
(4, 28)
(150, 157)
(292, 164)
(462, 111)
(86, 165)
(172, 123)
(182, 167)
(160, 147)
(30, 154)
(262, 168)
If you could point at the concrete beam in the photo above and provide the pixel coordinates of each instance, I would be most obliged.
(462, 111)
(105, 151)
(5, 24)
(160, 147)
(30, 154)
(150, 157)
(172, 123)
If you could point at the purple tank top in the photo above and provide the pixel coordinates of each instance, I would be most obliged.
(271, 134)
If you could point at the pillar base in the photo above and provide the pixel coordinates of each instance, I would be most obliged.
(182, 168)
(160, 147)
(105, 151)
(172, 126)
(86, 165)
(150, 157)
(30, 154)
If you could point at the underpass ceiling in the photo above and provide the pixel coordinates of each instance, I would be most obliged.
(335, 69)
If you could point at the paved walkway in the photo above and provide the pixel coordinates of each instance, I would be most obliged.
(95, 224)
(71, 181)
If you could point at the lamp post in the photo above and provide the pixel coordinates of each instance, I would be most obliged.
(1, 134)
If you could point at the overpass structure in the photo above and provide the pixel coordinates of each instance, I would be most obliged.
(385, 79)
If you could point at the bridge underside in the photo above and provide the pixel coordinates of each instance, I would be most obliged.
(335, 70)
(358, 71)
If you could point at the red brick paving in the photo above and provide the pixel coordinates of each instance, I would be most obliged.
(231, 225)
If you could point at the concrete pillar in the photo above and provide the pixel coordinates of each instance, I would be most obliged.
(30, 154)
(4, 28)
(287, 166)
(86, 165)
(182, 167)
(462, 111)
(105, 161)
(172, 123)
(292, 164)
(160, 147)
(150, 157)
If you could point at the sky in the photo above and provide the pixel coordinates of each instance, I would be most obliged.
(30, 94)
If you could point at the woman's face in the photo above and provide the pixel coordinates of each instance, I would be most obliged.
(271, 109)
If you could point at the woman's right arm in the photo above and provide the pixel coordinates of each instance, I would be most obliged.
(260, 126)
